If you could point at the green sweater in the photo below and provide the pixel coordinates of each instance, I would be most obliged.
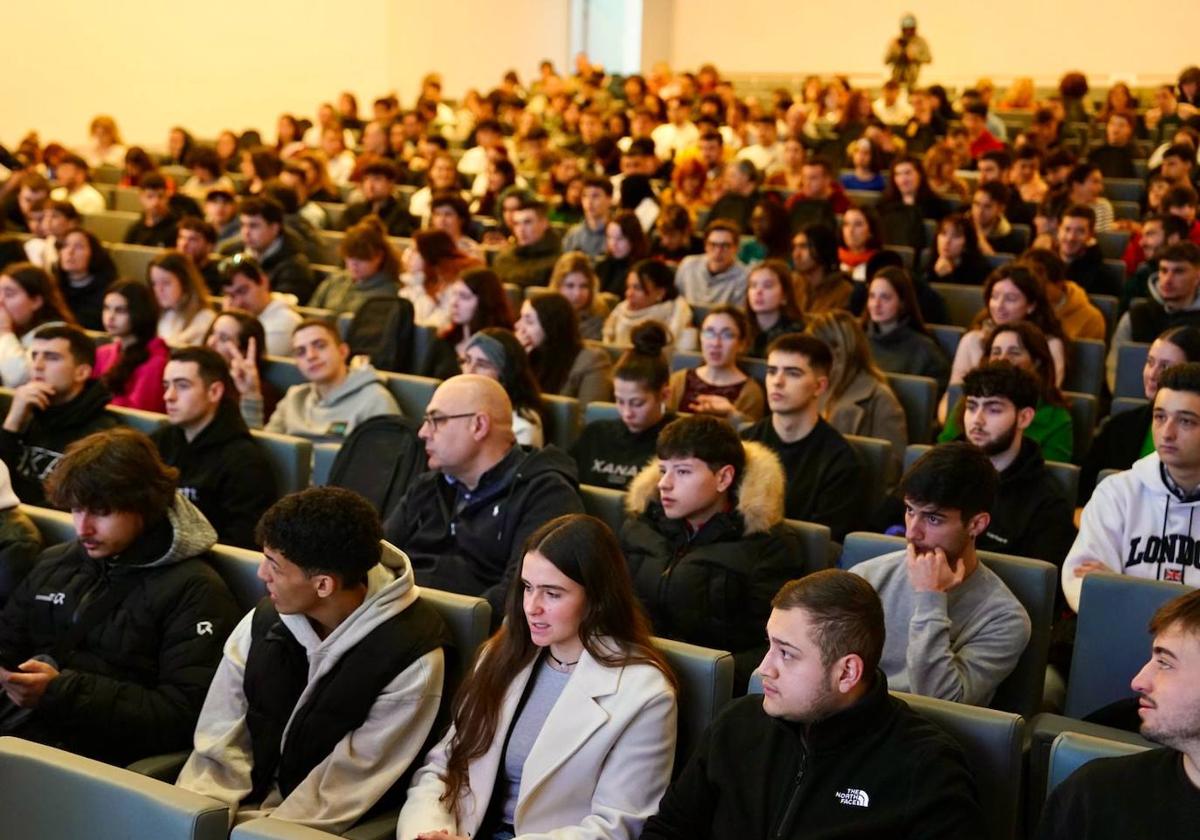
(1051, 429)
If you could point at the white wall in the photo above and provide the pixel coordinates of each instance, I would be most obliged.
(1042, 38)
(240, 63)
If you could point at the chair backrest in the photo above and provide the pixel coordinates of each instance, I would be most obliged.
(146, 422)
(962, 302)
(1121, 189)
(412, 394)
(423, 337)
(1085, 369)
(863, 545)
(111, 225)
(1131, 358)
(1103, 474)
(875, 454)
(599, 410)
(469, 621)
(1109, 307)
(564, 416)
(382, 330)
(914, 451)
(918, 396)
(133, 260)
(379, 460)
(282, 373)
(1111, 640)
(819, 549)
(238, 567)
(705, 686)
(684, 359)
(47, 794)
(991, 741)
(290, 459)
(324, 454)
(265, 828)
(605, 504)
(1112, 272)
(1120, 404)
(1072, 750)
(55, 526)
(947, 336)
(1084, 410)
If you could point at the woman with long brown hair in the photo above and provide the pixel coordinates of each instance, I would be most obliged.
(372, 270)
(476, 301)
(569, 718)
(430, 267)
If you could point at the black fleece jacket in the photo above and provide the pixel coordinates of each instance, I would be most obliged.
(875, 770)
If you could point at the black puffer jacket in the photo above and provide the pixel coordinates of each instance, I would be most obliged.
(134, 686)
(715, 589)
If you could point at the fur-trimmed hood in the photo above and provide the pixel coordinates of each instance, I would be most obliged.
(760, 492)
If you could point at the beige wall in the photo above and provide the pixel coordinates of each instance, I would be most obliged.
(214, 64)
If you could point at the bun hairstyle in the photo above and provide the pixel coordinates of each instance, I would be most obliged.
(645, 362)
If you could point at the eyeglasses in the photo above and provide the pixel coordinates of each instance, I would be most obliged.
(434, 420)
(712, 334)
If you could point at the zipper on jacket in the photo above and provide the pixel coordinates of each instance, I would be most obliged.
(793, 803)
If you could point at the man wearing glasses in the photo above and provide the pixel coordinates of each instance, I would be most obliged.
(464, 523)
(715, 276)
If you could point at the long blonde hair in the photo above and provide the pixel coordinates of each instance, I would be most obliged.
(577, 262)
(850, 348)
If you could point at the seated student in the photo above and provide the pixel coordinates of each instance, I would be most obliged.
(821, 285)
(1180, 200)
(908, 200)
(588, 235)
(771, 305)
(997, 167)
(955, 630)
(336, 397)
(625, 245)
(220, 211)
(186, 312)
(328, 690)
(60, 404)
(196, 240)
(279, 252)
(718, 386)
(866, 163)
(1023, 344)
(705, 538)
(157, 226)
(20, 540)
(131, 365)
(860, 240)
(1078, 249)
(440, 177)
(900, 341)
(1078, 316)
(567, 724)
(824, 699)
(530, 259)
(247, 288)
(1125, 436)
(29, 300)
(1104, 798)
(1135, 518)
(83, 273)
(450, 213)
(1174, 301)
(496, 353)
(222, 469)
(575, 279)
(429, 269)
(548, 329)
(821, 197)
(1030, 516)
(378, 186)
(477, 301)
(956, 257)
(1013, 292)
(57, 220)
(673, 237)
(1159, 231)
(1085, 188)
(741, 195)
(464, 523)
(995, 232)
(609, 453)
(155, 612)
(823, 474)
(238, 338)
(372, 270)
(72, 176)
(858, 400)
(1115, 158)
(715, 276)
(650, 295)
(206, 175)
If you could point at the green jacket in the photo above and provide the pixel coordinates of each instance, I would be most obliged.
(1051, 429)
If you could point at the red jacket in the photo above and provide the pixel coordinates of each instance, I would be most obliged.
(144, 387)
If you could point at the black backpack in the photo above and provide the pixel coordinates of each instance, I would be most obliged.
(379, 460)
(383, 330)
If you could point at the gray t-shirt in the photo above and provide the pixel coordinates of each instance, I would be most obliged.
(548, 684)
(956, 645)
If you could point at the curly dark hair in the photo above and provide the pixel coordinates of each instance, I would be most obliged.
(324, 530)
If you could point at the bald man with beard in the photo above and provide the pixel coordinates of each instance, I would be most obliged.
(464, 523)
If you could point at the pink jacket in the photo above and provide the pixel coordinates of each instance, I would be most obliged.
(144, 388)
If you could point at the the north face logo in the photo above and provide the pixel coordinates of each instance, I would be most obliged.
(853, 796)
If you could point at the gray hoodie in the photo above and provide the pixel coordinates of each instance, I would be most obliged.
(366, 762)
(360, 397)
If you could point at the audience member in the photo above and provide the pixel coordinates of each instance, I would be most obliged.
(495, 352)
(157, 226)
(1027, 178)
(589, 235)
(220, 211)
(207, 174)
(625, 245)
(464, 524)
(1076, 313)
(1085, 188)
(185, 310)
(821, 284)
(900, 341)
(115, 666)
(905, 204)
(84, 271)
(372, 270)
(1135, 518)
(73, 186)
(530, 260)
(279, 252)
(196, 239)
(715, 277)
(821, 197)
(860, 240)
(567, 764)
(955, 629)
(771, 305)
(997, 167)
(824, 477)
(248, 288)
(131, 364)
(956, 257)
(1115, 158)
(974, 119)
(706, 516)
(239, 339)
(650, 295)
(867, 163)
(548, 329)
(29, 300)
(994, 231)
(718, 386)
(431, 267)
(823, 693)
(574, 278)
(741, 195)
(30, 191)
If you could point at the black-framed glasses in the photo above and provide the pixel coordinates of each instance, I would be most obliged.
(434, 420)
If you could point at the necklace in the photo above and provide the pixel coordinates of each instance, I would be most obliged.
(561, 665)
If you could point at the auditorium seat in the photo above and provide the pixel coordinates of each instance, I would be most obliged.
(1109, 307)
(565, 415)
(1085, 368)
(1131, 359)
(705, 687)
(146, 422)
(1120, 404)
(111, 225)
(1072, 750)
(324, 454)
(605, 504)
(133, 261)
(962, 302)
(55, 526)
(1122, 189)
(126, 199)
(918, 396)
(412, 393)
(875, 455)
(290, 458)
(947, 336)
(820, 551)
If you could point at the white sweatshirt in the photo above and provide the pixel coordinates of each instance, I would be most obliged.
(1136, 526)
